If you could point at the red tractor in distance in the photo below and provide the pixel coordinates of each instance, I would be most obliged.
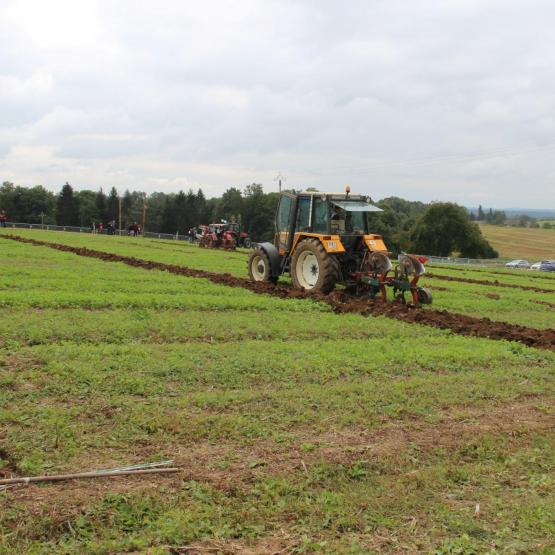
(241, 237)
(216, 236)
(223, 236)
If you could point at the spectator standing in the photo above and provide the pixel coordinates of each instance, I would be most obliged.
(3, 218)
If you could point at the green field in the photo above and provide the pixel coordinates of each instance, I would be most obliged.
(498, 303)
(530, 244)
(298, 430)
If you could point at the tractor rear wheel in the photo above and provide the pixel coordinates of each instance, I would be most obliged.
(312, 268)
(260, 268)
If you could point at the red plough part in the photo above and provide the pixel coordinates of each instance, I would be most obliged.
(375, 277)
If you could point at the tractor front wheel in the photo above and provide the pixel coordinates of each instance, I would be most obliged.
(259, 267)
(312, 268)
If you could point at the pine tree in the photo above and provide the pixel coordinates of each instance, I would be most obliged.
(126, 205)
(112, 207)
(202, 214)
(100, 203)
(67, 212)
(180, 213)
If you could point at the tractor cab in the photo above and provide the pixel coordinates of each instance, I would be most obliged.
(324, 239)
(342, 220)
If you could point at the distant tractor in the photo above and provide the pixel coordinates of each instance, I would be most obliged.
(241, 237)
(216, 236)
(324, 239)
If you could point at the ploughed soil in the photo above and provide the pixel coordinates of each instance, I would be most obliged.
(493, 283)
(340, 301)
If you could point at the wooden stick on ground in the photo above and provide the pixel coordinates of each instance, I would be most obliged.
(107, 474)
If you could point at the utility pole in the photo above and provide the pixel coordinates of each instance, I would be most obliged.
(144, 213)
(279, 179)
(119, 214)
(42, 214)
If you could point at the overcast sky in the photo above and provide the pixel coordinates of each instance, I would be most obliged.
(426, 100)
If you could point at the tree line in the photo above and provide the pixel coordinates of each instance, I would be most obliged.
(499, 217)
(160, 212)
(491, 216)
(440, 229)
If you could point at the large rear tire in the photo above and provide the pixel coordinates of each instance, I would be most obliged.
(260, 268)
(312, 268)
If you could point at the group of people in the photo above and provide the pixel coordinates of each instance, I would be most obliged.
(133, 229)
(110, 229)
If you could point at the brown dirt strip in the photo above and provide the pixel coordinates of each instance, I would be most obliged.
(458, 426)
(339, 301)
(382, 447)
(493, 283)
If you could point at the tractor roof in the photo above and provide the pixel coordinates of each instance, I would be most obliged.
(324, 194)
(349, 202)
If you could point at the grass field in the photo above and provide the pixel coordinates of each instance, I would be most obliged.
(498, 303)
(298, 430)
(519, 242)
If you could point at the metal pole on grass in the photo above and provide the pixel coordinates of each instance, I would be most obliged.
(144, 213)
(119, 214)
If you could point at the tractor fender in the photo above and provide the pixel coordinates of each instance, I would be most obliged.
(273, 255)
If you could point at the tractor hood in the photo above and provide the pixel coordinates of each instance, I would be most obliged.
(356, 206)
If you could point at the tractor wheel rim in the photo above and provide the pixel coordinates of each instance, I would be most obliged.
(308, 270)
(258, 268)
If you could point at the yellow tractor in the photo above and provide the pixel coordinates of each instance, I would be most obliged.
(323, 239)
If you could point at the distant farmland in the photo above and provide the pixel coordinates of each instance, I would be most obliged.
(521, 242)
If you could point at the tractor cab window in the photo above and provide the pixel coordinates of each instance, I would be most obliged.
(320, 217)
(282, 220)
(347, 221)
(357, 222)
(303, 215)
(338, 219)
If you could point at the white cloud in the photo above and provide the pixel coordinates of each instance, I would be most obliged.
(426, 100)
(13, 87)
